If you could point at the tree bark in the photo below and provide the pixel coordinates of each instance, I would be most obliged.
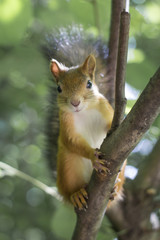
(116, 148)
(117, 7)
(120, 100)
(140, 202)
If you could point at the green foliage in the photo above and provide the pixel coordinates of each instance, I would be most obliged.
(63, 231)
(12, 15)
(27, 212)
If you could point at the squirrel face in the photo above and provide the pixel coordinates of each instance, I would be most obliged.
(76, 86)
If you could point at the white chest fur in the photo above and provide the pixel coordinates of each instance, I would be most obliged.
(91, 125)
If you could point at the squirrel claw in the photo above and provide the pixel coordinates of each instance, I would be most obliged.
(98, 166)
(113, 193)
(98, 154)
(78, 199)
(99, 163)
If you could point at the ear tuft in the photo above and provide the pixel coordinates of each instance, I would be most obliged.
(89, 65)
(57, 68)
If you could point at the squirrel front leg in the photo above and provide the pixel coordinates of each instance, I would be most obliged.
(75, 143)
(72, 171)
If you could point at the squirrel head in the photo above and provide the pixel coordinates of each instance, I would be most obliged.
(76, 85)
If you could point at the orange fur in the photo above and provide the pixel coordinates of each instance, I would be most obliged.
(82, 128)
(118, 187)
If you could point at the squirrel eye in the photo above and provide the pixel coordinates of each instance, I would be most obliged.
(59, 89)
(89, 84)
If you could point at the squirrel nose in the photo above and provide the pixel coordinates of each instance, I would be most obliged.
(75, 103)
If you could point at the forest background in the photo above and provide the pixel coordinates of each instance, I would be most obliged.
(27, 212)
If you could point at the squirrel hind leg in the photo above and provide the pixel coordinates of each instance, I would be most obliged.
(117, 193)
(70, 177)
(79, 199)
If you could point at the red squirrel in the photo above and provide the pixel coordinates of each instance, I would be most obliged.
(85, 117)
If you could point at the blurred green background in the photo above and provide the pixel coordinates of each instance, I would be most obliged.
(27, 212)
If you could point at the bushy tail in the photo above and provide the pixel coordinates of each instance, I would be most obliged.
(72, 45)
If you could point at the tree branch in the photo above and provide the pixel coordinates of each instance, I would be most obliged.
(117, 7)
(120, 100)
(134, 212)
(136, 208)
(117, 147)
(138, 120)
(148, 177)
(10, 171)
(117, 218)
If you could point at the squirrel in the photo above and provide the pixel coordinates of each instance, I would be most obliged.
(85, 117)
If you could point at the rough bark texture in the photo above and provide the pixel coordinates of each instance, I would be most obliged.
(117, 147)
(120, 100)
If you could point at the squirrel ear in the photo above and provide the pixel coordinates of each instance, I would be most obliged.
(89, 65)
(57, 68)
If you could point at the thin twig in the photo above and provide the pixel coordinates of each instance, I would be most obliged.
(107, 88)
(11, 171)
(120, 100)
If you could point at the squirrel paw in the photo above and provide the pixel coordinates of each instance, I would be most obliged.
(113, 193)
(98, 154)
(79, 198)
(99, 163)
